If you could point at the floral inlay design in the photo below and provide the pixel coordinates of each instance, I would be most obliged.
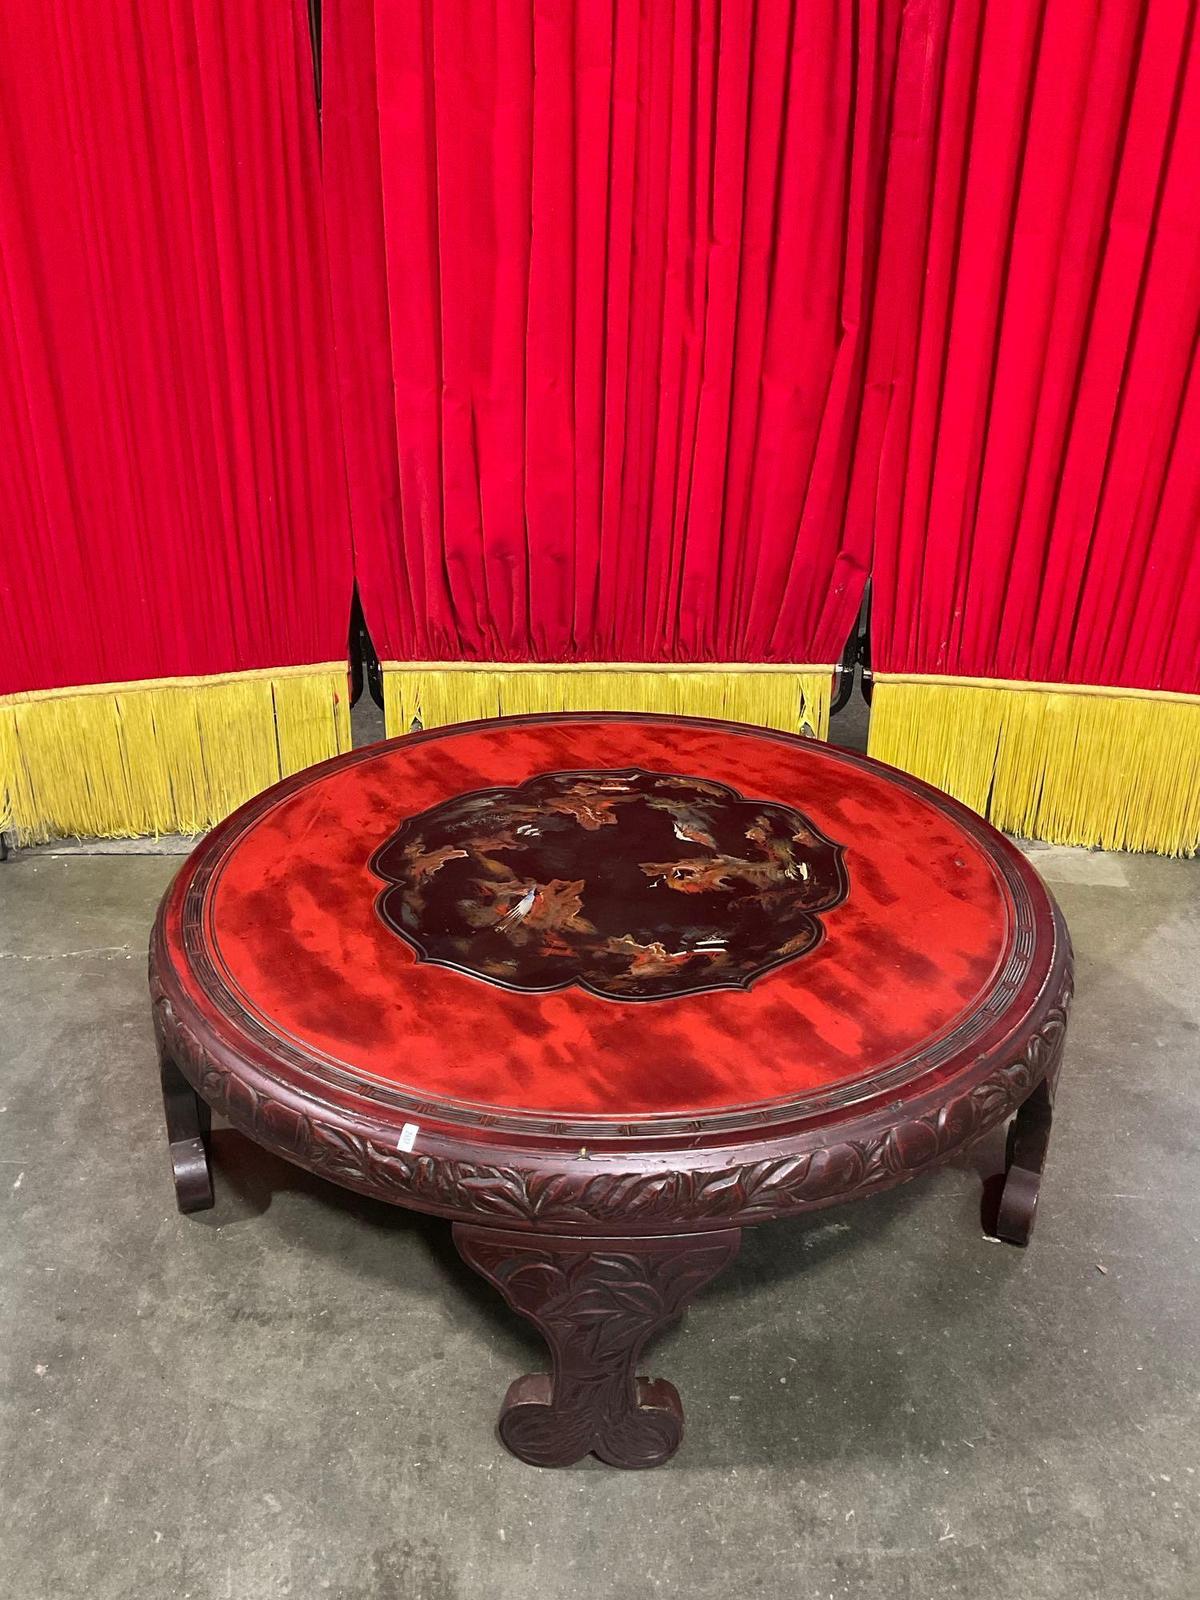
(633, 885)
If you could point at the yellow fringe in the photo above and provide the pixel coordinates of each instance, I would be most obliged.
(434, 693)
(1070, 763)
(170, 755)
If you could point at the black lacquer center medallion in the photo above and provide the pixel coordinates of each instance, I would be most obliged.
(633, 885)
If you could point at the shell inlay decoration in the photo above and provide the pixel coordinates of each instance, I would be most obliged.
(634, 885)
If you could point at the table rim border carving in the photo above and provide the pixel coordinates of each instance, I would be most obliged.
(640, 1192)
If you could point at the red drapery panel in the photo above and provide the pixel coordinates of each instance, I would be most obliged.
(621, 257)
(1035, 392)
(170, 467)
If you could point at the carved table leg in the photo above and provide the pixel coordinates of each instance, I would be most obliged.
(1027, 1141)
(596, 1301)
(188, 1119)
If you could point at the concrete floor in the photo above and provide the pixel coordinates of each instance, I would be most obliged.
(295, 1393)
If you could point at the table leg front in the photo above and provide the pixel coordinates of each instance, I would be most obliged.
(1028, 1141)
(596, 1302)
(188, 1119)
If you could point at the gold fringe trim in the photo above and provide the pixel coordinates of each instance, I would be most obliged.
(1073, 764)
(1112, 691)
(434, 693)
(167, 755)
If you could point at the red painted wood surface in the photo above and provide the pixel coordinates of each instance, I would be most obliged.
(927, 943)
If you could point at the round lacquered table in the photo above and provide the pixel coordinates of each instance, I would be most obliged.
(603, 990)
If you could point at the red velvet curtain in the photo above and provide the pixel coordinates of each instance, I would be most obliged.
(621, 258)
(170, 465)
(1031, 452)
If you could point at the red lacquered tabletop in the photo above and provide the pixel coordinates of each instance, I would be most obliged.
(610, 924)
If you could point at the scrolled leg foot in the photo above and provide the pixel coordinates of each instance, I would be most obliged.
(188, 1119)
(596, 1301)
(1028, 1140)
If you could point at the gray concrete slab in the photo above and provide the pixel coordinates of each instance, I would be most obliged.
(294, 1394)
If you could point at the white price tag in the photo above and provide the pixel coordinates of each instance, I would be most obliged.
(408, 1136)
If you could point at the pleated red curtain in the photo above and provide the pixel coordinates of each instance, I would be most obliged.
(644, 332)
(621, 256)
(170, 461)
(1031, 449)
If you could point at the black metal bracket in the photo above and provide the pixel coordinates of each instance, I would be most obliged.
(843, 676)
(364, 660)
(867, 681)
(856, 654)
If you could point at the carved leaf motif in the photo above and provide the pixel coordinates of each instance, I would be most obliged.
(910, 1145)
(745, 1192)
(595, 1308)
